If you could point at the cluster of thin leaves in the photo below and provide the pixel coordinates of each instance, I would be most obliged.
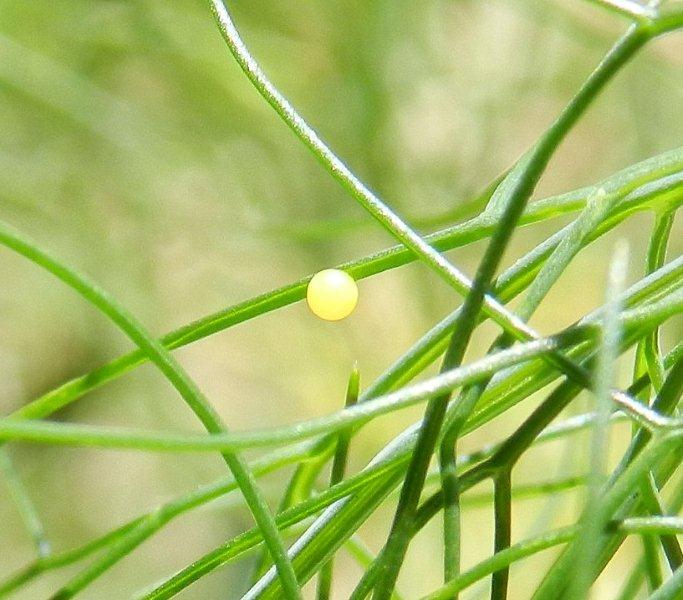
(519, 363)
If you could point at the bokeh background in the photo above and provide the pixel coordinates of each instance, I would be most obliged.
(133, 147)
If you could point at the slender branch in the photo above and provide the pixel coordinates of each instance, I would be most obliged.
(505, 558)
(518, 183)
(629, 8)
(385, 465)
(523, 180)
(47, 432)
(649, 348)
(357, 189)
(25, 505)
(177, 376)
(124, 538)
(386, 380)
(653, 504)
(400, 450)
(613, 498)
(665, 403)
(502, 503)
(672, 589)
(336, 475)
(502, 560)
(586, 547)
(597, 207)
(512, 449)
(651, 562)
(112, 437)
(459, 235)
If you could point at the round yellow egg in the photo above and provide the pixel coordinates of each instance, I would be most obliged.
(332, 294)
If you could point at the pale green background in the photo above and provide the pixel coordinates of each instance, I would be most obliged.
(132, 145)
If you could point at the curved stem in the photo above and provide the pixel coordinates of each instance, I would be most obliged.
(503, 559)
(336, 475)
(503, 529)
(402, 445)
(515, 183)
(25, 505)
(518, 187)
(456, 236)
(598, 206)
(88, 435)
(48, 432)
(643, 442)
(131, 534)
(189, 391)
(507, 282)
(656, 255)
(387, 468)
(357, 189)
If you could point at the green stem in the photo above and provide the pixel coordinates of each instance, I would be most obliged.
(221, 487)
(336, 475)
(62, 433)
(518, 185)
(368, 266)
(672, 589)
(650, 544)
(387, 467)
(357, 189)
(364, 557)
(25, 505)
(598, 206)
(656, 255)
(648, 357)
(391, 258)
(587, 545)
(522, 185)
(509, 452)
(502, 560)
(502, 503)
(385, 382)
(629, 8)
(555, 580)
(119, 542)
(403, 446)
(450, 484)
(612, 500)
(653, 505)
(188, 390)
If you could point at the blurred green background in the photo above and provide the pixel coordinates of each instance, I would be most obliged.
(132, 145)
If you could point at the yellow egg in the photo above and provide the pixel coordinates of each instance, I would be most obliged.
(332, 294)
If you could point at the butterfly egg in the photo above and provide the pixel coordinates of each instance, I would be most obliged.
(332, 294)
